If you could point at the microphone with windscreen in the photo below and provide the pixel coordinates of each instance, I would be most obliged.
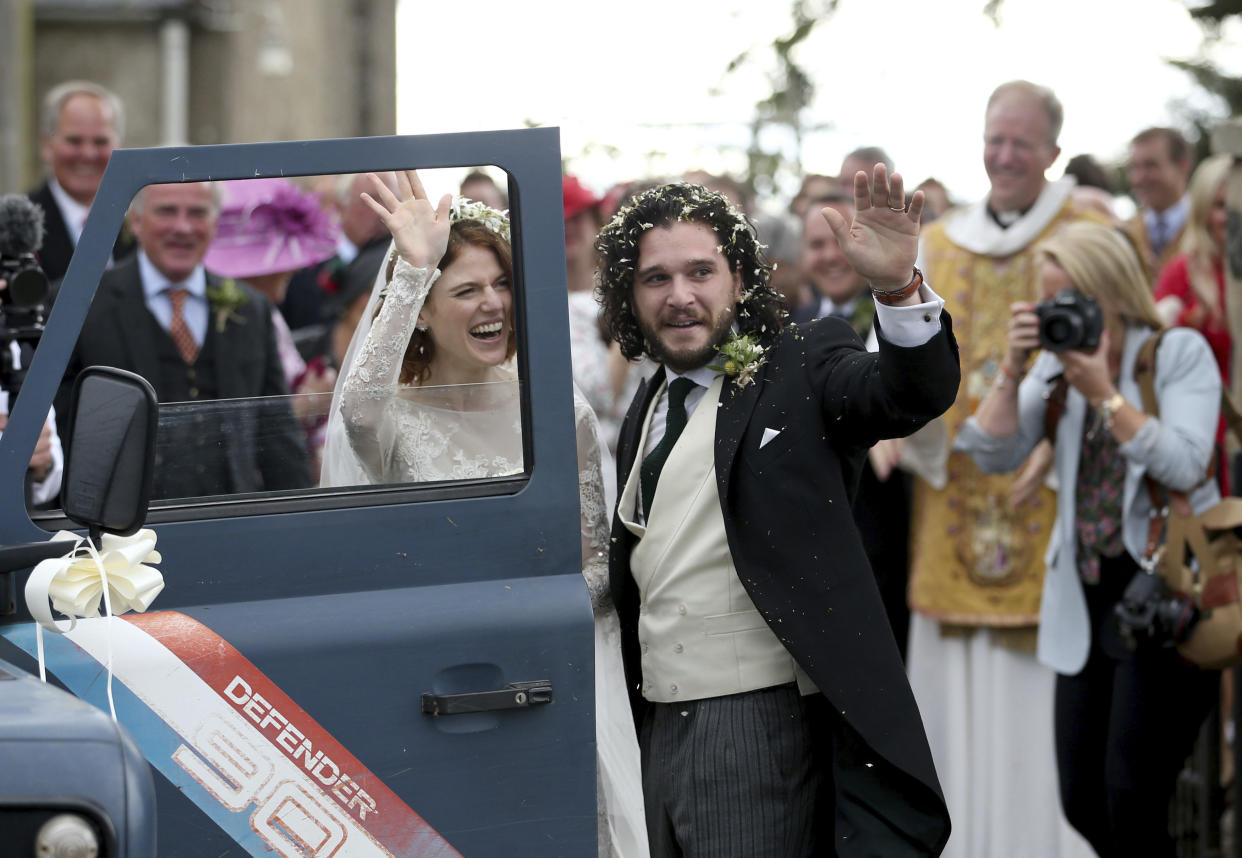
(21, 236)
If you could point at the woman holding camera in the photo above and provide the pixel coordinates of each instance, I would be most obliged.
(1124, 720)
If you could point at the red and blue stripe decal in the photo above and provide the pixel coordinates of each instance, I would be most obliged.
(243, 751)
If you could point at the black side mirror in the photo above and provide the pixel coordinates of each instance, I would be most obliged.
(108, 475)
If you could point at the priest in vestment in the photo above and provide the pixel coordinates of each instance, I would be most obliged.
(978, 541)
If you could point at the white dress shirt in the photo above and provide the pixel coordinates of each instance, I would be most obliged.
(828, 307)
(71, 211)
(42, 491)
(1174, 218)
(155, 286)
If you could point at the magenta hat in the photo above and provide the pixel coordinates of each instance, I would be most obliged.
(266, 226)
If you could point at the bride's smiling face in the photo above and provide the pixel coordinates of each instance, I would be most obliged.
(469, 316)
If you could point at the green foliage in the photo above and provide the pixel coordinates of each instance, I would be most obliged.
(1213, 14)
(1226, 89)
(792, 91)
(1212, 79)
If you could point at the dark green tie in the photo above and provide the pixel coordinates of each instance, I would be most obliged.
(674, 423)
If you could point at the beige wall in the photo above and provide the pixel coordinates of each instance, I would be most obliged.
(270, 70)
(16, 92)
(296, 70)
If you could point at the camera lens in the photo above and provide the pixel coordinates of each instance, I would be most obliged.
(28, 288)
(1060, 330)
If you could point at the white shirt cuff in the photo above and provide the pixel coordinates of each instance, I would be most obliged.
(912, 325)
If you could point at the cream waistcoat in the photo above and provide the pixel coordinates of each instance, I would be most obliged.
(699, 632)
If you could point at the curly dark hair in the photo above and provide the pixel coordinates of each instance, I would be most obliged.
(421, 350)
(761, 312)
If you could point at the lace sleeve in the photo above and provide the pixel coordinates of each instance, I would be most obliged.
(593, 514)
(373, 378)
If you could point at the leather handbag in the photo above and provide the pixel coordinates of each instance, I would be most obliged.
(1200, 556)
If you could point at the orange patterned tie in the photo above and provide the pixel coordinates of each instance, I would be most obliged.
(178, 329)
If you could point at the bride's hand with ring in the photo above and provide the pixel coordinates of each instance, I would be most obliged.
(419, 231)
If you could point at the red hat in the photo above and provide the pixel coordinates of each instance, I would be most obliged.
(575, 197)
(266, 226)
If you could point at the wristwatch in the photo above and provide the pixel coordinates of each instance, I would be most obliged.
(1109, 407)
(894, 296)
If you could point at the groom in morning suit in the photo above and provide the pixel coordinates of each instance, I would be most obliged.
(773, 710)
(153, 315)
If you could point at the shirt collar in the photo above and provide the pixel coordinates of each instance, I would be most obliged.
(827, 307)
(153, 282)
(73, 212)
(1007, 219)
(702, 376)
(1174, 217)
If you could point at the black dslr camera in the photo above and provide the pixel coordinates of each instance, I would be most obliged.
(1151, 615)
(1069, 320)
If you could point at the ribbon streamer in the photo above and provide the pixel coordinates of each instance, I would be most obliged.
(118, 572)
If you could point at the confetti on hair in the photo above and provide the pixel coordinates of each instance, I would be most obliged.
(761, 308)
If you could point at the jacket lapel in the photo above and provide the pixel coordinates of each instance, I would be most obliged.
(227, 350)
(57, 246)
(736, 406)
(632, 428)
(130, 313)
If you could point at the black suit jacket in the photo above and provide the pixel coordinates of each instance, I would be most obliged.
(246, 365)
(791, 531)
(57, 246)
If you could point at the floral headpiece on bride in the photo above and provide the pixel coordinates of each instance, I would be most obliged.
(467, 209)
(460, 210)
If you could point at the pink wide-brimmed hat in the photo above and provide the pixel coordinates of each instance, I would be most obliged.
(266, 226)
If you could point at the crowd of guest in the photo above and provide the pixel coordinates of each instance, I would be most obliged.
(252, 289)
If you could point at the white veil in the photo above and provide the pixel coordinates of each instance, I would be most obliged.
(341, 466)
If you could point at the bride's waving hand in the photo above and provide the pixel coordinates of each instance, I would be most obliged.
(419, 231)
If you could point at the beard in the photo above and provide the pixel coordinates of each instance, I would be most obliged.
(686, 359)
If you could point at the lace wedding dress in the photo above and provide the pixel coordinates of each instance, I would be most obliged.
(381, 432)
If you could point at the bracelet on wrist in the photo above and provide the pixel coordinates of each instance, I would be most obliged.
(888, 297)
(1109, 407)
(1010, 374)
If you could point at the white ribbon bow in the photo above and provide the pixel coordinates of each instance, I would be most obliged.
(73, 585)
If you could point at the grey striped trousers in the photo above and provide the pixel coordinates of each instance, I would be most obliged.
(743, 776)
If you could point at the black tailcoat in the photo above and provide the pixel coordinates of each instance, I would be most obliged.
(788, 516)
(266, 447)
(57, 247)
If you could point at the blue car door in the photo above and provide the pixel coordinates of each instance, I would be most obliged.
(381, 670)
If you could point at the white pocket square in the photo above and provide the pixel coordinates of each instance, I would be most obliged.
(768, 435)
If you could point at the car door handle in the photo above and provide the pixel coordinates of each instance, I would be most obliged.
(515, 695)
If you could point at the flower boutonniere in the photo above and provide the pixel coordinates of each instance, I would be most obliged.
(740, 358)
(224, 300)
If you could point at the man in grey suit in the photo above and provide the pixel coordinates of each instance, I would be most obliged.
(773, 711)
(197, 339)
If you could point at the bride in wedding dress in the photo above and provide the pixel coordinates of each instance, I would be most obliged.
(428, 391)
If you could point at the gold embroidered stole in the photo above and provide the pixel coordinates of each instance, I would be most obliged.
(975, 560)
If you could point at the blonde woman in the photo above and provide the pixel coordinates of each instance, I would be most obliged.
(1190, 290)
(1124, 720)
